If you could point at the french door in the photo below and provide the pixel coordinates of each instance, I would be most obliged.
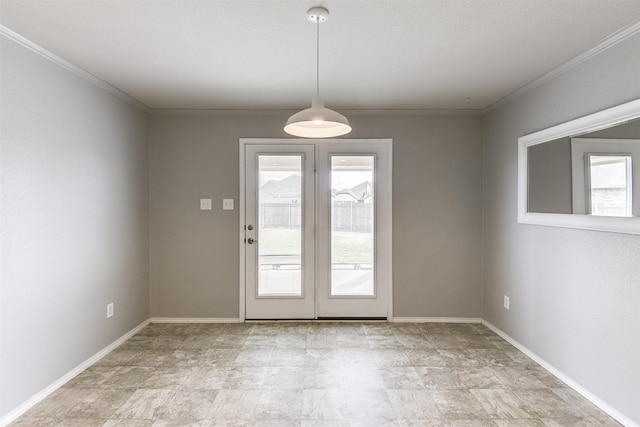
(316, 229)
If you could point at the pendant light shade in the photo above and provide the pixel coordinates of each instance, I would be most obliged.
(317, 121)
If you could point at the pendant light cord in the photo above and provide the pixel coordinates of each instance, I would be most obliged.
(318, 56)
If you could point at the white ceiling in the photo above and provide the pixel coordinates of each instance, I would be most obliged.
(375, 54)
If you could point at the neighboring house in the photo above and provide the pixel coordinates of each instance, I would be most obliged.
(280, 205)
(361, 193)
(286, 190)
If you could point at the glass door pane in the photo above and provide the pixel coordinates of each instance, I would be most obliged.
(352, 225)
(280, 225)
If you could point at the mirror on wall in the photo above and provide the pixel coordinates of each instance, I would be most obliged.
(584, 173)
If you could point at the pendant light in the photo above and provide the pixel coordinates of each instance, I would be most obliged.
(317, 121)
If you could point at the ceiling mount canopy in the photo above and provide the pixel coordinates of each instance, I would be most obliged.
(317, 121)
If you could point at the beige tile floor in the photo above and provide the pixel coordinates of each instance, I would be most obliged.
(315, 374)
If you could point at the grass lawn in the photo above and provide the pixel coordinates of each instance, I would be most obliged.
(348, 247)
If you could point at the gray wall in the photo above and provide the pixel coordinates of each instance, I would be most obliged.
(437, 212)
(550, 177)
(574, 294)
(74, 220)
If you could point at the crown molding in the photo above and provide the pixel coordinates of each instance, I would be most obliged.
(218, 112)
(419, 112)
(23, 41)
(614, 39)
(278, 112)
(607, 43)
(80, 72)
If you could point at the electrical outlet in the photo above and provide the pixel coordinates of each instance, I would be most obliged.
(506, 302)
(227, 204)
(109, 310)
(205, 204)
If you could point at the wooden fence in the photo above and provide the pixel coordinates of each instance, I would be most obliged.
(346, 216)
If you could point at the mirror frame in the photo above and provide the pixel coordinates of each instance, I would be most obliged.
(591, 123)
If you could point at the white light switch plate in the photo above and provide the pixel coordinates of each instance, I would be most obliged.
(205, 204)
(227, 204)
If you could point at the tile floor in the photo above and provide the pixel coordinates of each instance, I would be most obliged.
(315, 374)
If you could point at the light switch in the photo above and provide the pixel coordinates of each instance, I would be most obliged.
(205, 204)
(227, 204)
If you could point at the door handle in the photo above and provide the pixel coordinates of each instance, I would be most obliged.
(251, 241)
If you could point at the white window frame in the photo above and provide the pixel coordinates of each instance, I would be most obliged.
(581, 148)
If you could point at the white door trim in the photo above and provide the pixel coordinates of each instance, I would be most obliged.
(243, 142)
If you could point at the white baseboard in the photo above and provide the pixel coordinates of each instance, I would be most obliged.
(195, 320)
(37, 398)
(436, 320)
(565, 379)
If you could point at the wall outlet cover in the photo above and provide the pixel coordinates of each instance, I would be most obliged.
(507, 302)
(205, 204)
(109, 310)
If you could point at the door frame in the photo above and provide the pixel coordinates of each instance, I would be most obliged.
(243, 142)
